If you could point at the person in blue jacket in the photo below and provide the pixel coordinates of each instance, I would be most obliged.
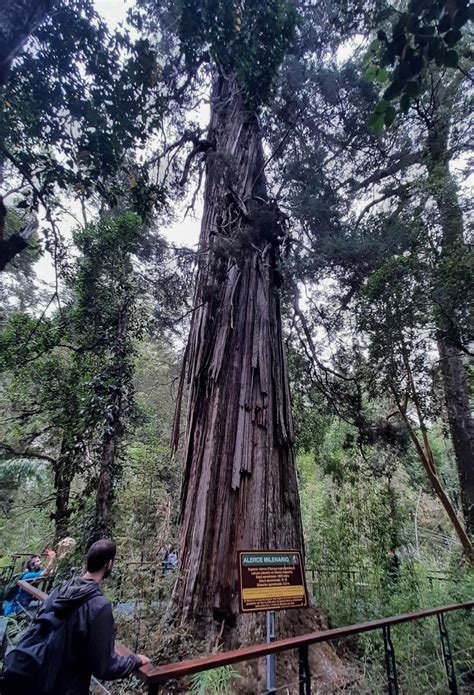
(34, 569)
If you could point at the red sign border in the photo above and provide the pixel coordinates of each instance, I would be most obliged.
(268, 552)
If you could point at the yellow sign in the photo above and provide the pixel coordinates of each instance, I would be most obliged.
(271, 580)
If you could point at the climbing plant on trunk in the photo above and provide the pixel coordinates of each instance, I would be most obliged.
(107, 316)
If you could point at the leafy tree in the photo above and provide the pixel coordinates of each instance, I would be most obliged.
(424, 33)
(107, 316)
(75, 105)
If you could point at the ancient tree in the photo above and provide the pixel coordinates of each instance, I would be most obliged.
(239, 489)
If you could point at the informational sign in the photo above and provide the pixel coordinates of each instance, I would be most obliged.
(271, 581)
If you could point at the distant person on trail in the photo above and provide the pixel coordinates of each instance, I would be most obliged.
(170, 560)
(33, 570)
(394, 565)
(72, 638)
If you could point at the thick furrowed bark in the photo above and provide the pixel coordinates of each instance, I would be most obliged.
(239, 488)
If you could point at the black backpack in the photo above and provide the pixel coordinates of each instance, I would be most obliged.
(38, 655)
(11, 589)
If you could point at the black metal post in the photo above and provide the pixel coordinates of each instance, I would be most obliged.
(304, 670)
(390, 663)
(153, 689)
(447, 656)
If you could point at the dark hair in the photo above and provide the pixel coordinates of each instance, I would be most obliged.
(99, 554)
(30, 565)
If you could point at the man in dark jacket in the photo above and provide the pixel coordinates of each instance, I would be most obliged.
(89, 649)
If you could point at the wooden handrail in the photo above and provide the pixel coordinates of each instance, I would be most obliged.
(184, 668)
(161, 674)
(32, 590)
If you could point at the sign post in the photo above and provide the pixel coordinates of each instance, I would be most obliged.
(271, 661)
(270, 581)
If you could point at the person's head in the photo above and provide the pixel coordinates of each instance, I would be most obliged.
(34, 563)
(100, 557)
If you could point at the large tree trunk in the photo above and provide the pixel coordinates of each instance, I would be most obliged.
(455, 381)
(239, 487)
(19, 19)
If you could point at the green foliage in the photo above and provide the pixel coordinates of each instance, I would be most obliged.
(219, 681)
(73, 109)
(425, 33)
(248, 38)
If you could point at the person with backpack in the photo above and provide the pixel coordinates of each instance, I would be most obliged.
(72, 638)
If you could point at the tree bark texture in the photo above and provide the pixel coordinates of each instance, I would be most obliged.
(239, 481)
(453, 370)
(18, 20)
(109, 467)
(62, 486)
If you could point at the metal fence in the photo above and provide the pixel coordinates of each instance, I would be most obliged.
(157, 677)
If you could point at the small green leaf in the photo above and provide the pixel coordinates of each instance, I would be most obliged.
(451, 59)
(393, 90)
(439, 58)
(376, 122)
(412, 89)
(460, 18)
(390, 115)
(405, 103)
(382, 106)
(382, 76)
(444, 24)
(434, 46)
(371, 73)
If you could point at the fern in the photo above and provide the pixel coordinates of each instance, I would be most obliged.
(217, 681)
(22, 469)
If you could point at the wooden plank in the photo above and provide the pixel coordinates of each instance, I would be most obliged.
(32, 590)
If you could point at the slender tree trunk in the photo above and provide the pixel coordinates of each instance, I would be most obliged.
(428, 461)
(239, 481)
(453, 370)
(62, 486)
(109, 466)
(19, 19)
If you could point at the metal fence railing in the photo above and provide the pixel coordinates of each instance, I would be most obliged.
(156, 677)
